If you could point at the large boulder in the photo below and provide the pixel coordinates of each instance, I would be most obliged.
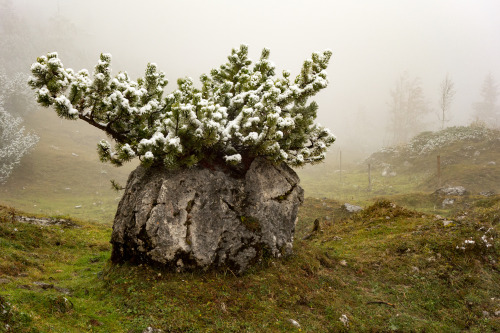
(203, 218)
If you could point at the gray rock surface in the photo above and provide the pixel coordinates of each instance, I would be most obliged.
(352, 208)
(457, 190)
(203, 218)
(447, 202)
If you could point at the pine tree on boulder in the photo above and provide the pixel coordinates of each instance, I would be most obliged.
(214, 187)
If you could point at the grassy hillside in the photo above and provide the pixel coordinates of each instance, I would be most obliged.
(470, 157)
(63, 175)
(63, 172)
(386, 268)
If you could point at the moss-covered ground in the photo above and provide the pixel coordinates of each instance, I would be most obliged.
(387, 268)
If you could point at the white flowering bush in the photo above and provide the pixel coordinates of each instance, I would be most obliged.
(241, 111)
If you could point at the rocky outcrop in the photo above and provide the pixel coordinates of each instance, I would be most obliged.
(203, 218)
(457, 190)
(351, 208)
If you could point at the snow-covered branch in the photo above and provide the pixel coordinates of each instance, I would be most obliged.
(240, 112)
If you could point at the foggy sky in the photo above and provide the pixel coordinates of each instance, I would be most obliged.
(373, 43)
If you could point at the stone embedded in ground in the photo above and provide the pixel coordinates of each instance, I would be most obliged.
(203, 218)
(352, 208)
(43, 285)
(447, 223)
(447, 202)
(457, 190)
(45, 221)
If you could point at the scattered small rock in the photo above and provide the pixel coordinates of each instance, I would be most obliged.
(491, 163)
(344, 320)
(4, 281)
(388, 171)
(497, 313)
(25, 286)
(415, 269)
(79, 206)
(294, 323)
(486, 313)
(487, 193)
(180, 263)
(44, 221)
(61, 304)
(43, 285)
(457, 190)
(152, 330)
(447, 202)
(343, 263)
(352, 208)
(447, 223)
(74, 154)
(477, 153)
(65, 291)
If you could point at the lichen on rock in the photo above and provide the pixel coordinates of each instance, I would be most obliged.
(202, 218)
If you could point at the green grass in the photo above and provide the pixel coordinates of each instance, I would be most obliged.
(385, 253)
(53, 181)
(401, 256)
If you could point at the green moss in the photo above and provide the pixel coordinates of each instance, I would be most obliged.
(250, 222)
(409, 260)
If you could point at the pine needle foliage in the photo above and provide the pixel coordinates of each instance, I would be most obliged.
(240, 112)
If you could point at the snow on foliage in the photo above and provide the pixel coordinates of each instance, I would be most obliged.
(428, 142)
(14, 143)
(16, 96)
(240, 112)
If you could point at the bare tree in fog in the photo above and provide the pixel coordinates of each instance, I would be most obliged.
(446, 95)
(487, 111)
(407, 108)
(19, 44)
(16, 39)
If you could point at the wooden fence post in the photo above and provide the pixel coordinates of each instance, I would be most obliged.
(439, 170)
(369, 177)
(340, 166)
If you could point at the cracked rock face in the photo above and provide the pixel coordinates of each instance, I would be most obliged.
(201, 218)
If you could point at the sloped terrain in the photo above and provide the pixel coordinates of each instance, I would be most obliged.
(470, 157)
(63, 174)
(386, 268)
